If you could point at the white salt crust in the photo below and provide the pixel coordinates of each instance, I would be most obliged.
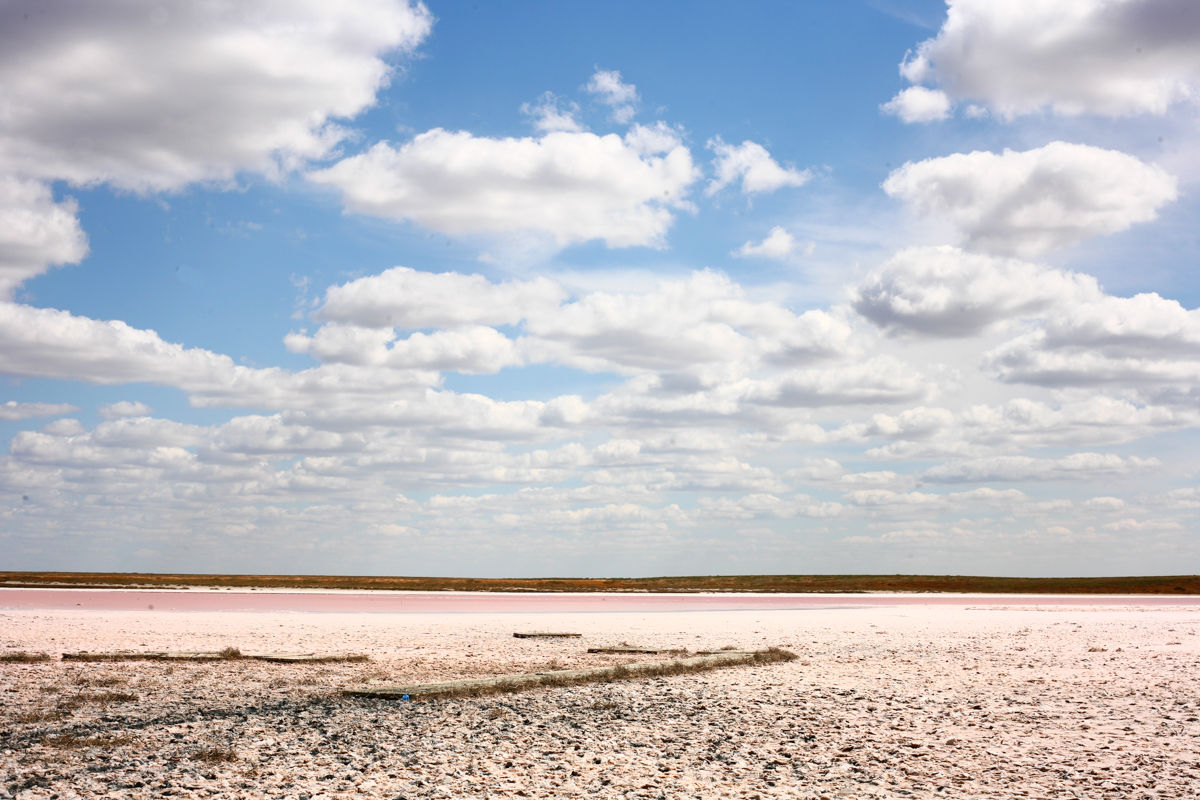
(913, 701)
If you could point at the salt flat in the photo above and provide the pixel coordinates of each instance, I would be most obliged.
(960, 700)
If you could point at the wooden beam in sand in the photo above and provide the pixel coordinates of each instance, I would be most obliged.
(546, 635)
(145, 655)
(567, 677)
(623, 650)
(307, 658)
(162, 655)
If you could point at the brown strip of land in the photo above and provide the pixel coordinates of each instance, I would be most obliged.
(1161, 584)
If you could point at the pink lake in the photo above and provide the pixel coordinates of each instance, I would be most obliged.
(480, 602)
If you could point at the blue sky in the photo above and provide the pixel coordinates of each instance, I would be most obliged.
(600, 289)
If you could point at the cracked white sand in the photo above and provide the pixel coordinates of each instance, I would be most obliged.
(914, 701)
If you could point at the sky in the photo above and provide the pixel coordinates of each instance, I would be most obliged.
(600, 289)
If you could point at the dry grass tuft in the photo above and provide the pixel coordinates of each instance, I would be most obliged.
(507, 684)
(618, 673)
(774, 655)
(214, 754)
(22, 657)
(230, 653)
(96, 697)
(99, 680)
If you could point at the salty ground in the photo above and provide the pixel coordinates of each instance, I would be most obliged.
(976, 698)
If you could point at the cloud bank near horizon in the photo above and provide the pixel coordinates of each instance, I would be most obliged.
(947, 385)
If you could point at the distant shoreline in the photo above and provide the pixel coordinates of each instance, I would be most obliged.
(789, 584)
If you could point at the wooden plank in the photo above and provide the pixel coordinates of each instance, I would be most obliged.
(546, 635)
(622, 650)
(162, 655)
(566, 677)
(306, 658)
(144, 655)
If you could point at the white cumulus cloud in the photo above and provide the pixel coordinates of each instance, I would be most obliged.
(620, 97)
(918, 104)
(778, 244)
(947, 292)
(1025, 203)
(469, 349)
(49, 343)
(125, 408)
(1095, 418)
(1146, 342)
(12, 410)
(703, 322)
(566, 186)
(879, 380)
(43, 342)
(1106, 57)
(152, 97)
(35, 232)
(698, 330)
(751, 164)
(407, 298)
(549, 113)
(1077, 466)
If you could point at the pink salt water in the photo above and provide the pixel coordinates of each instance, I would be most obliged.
(486, 602)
